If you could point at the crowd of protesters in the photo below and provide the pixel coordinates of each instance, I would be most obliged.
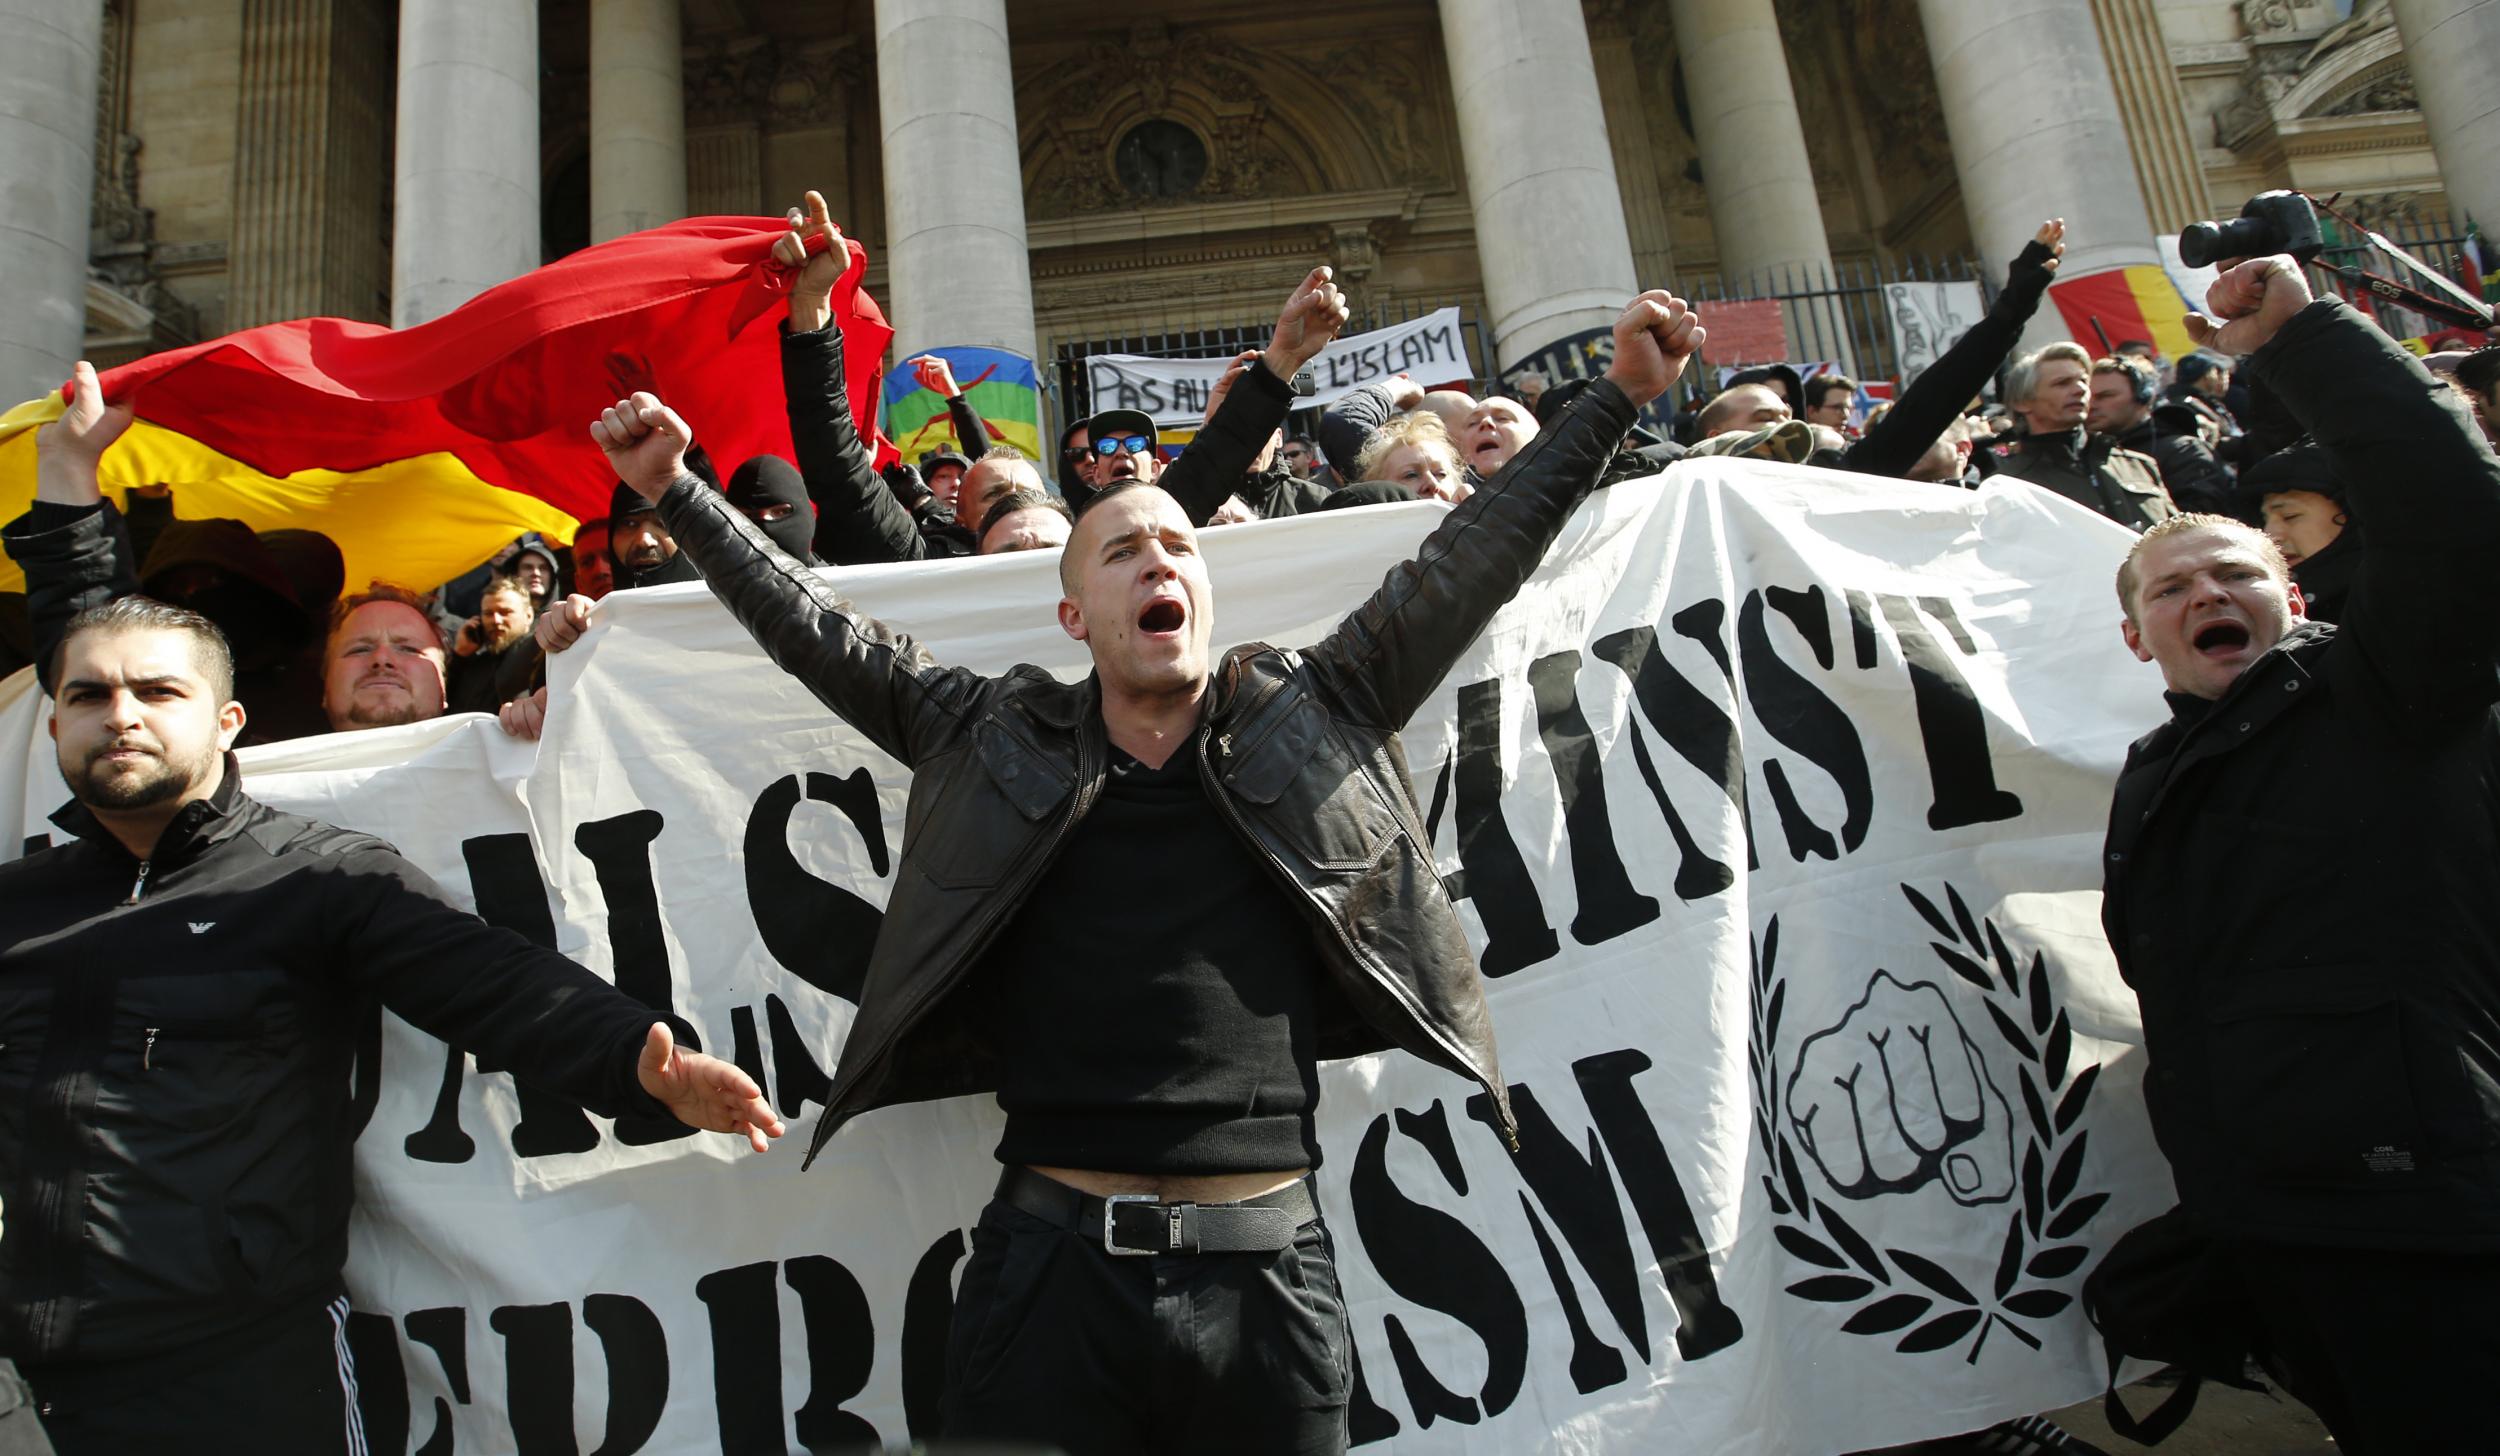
(2169, 448)
(2130, 435)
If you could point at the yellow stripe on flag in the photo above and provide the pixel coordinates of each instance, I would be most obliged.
(2165, 312)
(416, 522)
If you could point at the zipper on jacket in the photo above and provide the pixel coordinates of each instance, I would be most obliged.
(1215, 791)
(147, 1052)
(138, 884)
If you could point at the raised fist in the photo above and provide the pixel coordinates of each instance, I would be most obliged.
(1896, 1097)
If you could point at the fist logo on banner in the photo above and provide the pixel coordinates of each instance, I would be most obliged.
(1898, 1096)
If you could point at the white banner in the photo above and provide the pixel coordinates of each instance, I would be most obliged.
(1927, 319)
(1774, 803)
(1431, 350)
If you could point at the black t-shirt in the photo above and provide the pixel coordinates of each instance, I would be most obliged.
(1153, 1002)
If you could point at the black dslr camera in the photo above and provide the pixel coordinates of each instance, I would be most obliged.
(2287, 222)
(2272, 222)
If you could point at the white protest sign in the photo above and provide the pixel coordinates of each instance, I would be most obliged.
(1927, 319)
(1431, 350)
(1769, 775)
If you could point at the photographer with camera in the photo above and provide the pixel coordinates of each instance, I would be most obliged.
(2319, 971)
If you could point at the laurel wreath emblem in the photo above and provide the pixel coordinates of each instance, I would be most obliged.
(1896, 1290)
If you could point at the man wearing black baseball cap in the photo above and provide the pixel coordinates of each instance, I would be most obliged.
(1124, 444)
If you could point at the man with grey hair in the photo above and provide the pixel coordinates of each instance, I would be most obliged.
(2051, 390)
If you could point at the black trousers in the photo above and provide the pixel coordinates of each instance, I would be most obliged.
(1058, 1342)
(283, 1386)
(2394, 1350)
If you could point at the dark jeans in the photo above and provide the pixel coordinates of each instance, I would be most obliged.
(2394, 1350)
(1059, 1342)
(285, 1385)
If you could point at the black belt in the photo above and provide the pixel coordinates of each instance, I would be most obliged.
(1135, 1223)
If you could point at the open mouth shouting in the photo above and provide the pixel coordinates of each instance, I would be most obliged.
(2221, 639)
(1164, 617)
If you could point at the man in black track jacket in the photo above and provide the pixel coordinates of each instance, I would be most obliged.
(182, 987)
(2299, 885)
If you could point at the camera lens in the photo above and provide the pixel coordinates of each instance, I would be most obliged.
(2200, 243)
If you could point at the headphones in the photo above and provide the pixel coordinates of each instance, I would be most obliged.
(2140, 377)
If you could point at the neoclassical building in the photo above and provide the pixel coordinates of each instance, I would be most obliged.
(1037, 174)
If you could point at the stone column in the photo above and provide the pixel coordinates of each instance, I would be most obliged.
(954, 177)
(2451, 46)
(1550, 232)
(465, 180)
(48, 79)
(637, 117)
(1763, 207)
(2154, 109)
(312, 152)
(2030, 107)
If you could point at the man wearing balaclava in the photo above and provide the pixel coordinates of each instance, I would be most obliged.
(769, 491)
(646, 555)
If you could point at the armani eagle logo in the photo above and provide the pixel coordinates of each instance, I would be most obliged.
(200, 927)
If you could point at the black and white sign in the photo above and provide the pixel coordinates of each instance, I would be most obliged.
(1430, 350)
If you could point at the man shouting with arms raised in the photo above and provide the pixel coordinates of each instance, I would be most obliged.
(1141, 907)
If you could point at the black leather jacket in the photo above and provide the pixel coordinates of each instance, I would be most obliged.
(2092, 470)
(1299, 753)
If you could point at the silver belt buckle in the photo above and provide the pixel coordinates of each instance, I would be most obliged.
(1111, 1223)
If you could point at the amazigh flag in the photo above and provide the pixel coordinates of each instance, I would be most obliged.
(421, 450)
(1001, 386)
(2129, 303)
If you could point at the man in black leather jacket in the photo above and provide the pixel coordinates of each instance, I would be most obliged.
(2298, 886)
(1276, 903)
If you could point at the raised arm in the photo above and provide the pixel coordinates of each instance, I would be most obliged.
(858, 520)
(70, 542)
(877, 679)
(1388, 656)
(2417, 475)
(1211, 468)
(1940, 392)
(972, 433)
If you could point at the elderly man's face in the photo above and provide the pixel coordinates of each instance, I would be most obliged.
(989, 481)
(385, 667)
(2060, 397)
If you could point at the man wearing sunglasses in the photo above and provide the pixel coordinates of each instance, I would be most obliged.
(1123, 442)
(1076, 464)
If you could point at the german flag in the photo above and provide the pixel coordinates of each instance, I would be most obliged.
(422, 450)
(2127, 303)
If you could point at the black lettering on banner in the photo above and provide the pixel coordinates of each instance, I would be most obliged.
(619, 851)
(819, 931)
(1492, 872)
(798, 1079)
(928, 1315)
(1707, 1324)
(745, 1312)
(1802, 717)
(538, 1376)
(1429, 1258)
(445, 1331)
(841, 1350)
(1580, 1195)
(1702, 734)
(510, 893)
(1952, 727)
(1609, 906)
(745, 1048)
(636, 1349)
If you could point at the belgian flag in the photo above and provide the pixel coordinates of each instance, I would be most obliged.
(422, 450)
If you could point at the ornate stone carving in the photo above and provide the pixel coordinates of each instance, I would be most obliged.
(728, 81)
(2390, 92)
(122, 234)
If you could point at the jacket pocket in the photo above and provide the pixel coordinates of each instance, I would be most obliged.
(964, 835)
(1307, 789)
(2311, 1078)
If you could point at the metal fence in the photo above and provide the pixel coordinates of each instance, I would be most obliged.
(1837, 312)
